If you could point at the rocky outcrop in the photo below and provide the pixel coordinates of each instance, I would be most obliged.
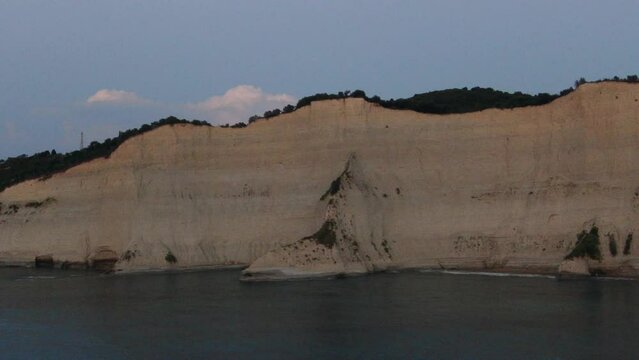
(350, 241)
(103, 259)
(574, 267)
(496, 190)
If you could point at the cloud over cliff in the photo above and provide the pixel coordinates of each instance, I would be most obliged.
(235, 105)
(238, 103)
(101, 114)
(118, 97)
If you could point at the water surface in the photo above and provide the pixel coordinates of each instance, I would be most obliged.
(50, 314)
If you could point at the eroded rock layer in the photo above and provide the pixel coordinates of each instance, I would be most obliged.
(345, 186)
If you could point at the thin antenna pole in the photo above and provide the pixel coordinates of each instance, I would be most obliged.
(81, 140)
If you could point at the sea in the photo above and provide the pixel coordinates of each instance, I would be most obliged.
(55, 314)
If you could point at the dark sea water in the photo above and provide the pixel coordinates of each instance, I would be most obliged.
(48, 314)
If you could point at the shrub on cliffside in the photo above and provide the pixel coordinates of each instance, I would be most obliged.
(628, 244)
(170, 258)
(612, 245)
(587, 245)
(325, 235)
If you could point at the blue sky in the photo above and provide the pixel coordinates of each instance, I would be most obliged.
(100, 67)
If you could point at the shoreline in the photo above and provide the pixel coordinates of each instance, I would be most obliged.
(275, 275)
(292, 274)
(513, 273)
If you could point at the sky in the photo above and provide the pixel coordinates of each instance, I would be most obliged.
(99, 67)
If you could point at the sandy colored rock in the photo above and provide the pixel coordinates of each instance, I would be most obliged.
(350, 241)
(576, 266)
(496, 189)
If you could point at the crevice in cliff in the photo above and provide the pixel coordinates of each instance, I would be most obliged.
(336, 184)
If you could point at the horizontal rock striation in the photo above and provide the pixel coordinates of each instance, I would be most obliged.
(347, 187)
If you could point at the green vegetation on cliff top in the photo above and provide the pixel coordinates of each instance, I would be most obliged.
(42, 165)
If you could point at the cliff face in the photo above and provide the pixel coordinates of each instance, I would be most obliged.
(345, 186)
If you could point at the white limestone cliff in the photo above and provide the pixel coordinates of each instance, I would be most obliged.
(497, 189)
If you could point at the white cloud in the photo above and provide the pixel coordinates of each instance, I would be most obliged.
(238, 97)
(238, 103)
(119, 97)
(105, 112)
(235, 105)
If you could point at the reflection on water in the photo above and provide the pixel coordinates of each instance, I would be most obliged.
(59, 314)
